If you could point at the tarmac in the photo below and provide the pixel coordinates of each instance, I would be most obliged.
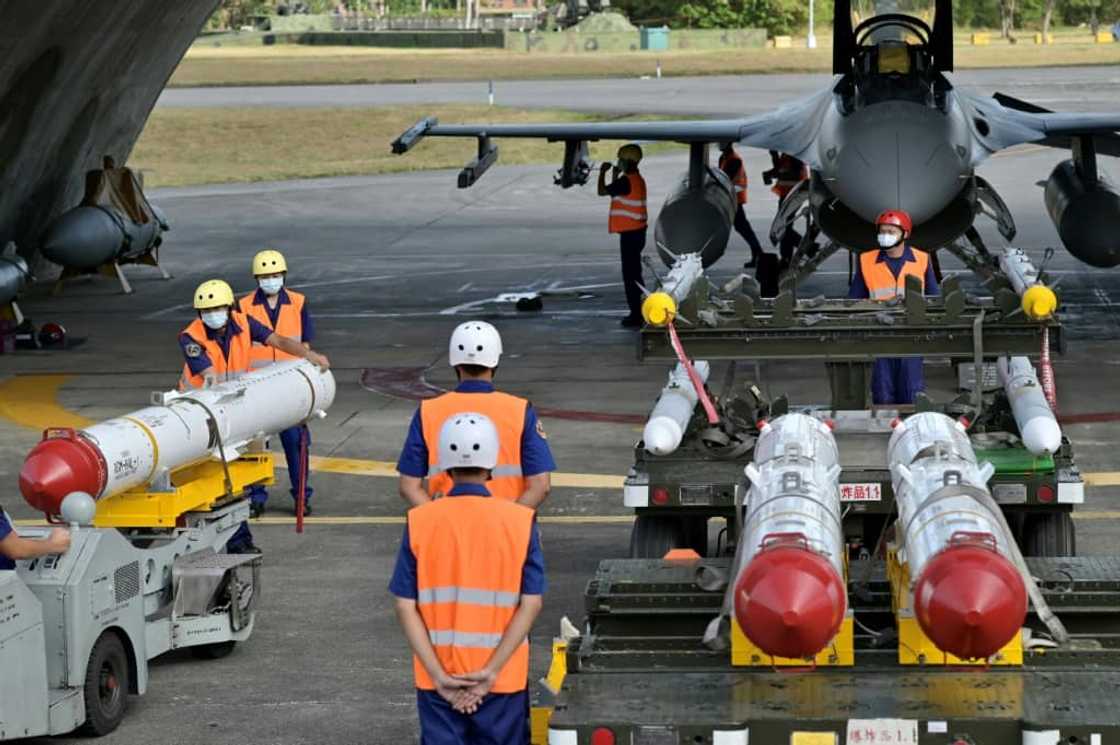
(391, 264)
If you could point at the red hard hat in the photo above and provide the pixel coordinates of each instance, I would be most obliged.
(898, 218)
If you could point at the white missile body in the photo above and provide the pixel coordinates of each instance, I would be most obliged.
(968, 594)
(1018, 268)
(1038, 301)
(790, 592)
(142, 447)
(682, 276)
(927, 452)
(1038, 427)
(795, 488)
(671, 414)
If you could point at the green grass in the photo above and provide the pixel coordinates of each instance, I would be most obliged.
(205, 146)
(292, 64)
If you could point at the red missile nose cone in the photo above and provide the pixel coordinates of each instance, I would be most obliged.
(56, 467)
(970, 601)
(790, 602)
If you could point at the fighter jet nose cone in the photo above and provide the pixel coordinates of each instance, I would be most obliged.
(790, 602)
(970, 601)
(56, 467)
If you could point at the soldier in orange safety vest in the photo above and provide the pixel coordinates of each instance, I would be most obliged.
(468, 583)
(284, 311)
(881, 275)
(522, 473)
(216, 346)
(731, 163)
(629, 218)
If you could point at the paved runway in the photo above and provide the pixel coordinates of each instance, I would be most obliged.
(391, 264)
(1063, 88)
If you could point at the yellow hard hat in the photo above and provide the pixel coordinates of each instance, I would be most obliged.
(213, 293)
(630, 152)
(269, 261)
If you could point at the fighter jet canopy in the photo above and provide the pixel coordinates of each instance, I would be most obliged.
(863, 10)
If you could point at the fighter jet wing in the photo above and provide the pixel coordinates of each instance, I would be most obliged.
(790, 129)
(1004, 121)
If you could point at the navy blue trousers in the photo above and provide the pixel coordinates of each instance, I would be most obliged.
(294, 454)
(896, 380)
(502, 719)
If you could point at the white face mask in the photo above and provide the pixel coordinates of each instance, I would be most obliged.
(889, 240)
(271, 285)
(215, 319)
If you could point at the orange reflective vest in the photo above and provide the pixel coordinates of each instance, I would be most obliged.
(740, 180)
(239, 346)
(881, 283)
(508, 415)
(470, 553)
(791, 172)
(288, 323)
(630, 212)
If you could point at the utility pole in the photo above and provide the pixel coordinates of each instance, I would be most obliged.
(811, 42)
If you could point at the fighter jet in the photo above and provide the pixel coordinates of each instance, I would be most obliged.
(891, 131)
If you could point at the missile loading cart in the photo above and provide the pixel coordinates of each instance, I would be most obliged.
(879, 576)
(80, 628)
(152, 498)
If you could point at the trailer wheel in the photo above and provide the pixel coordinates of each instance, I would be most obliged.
(653, 536)
(1049, 534)
(215, 651)
(106, 685)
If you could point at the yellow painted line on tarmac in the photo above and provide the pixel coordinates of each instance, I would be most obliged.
(32, 401)
(381, 468)
(1102, 478)
(1096, 515)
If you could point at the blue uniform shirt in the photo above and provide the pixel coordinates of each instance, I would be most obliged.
(257, 331)
(403, 584)
(6, 530)
(306, 325)
(536, 456)
(858, 290)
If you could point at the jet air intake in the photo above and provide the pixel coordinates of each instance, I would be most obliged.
(697, 220)
(1086, 213)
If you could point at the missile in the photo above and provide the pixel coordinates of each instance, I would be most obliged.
(673, 411)
(790, 597)
(1038, 427)
(14, 275)
(968, 596)
(1039, 301)
(179, 429)
(660, 307)
(87, 237)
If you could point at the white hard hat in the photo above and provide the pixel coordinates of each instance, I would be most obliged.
(475, 343)
(468, 441)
